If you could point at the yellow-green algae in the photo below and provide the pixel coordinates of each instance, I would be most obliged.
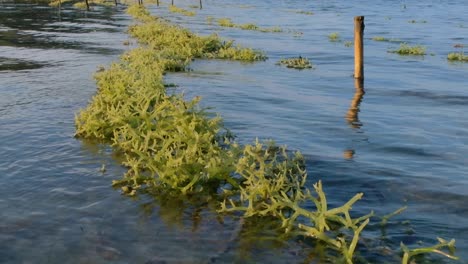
(457, 56)
(334, 37)
(406, 49)
(166, 139)
(227, 22)
(173, 144)
(296, 63)
(175, 9)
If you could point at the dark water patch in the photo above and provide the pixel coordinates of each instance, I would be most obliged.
(11, 64)
(407, 150)
(38, 40)
(437, 97)
(79, 27)
(41, 27)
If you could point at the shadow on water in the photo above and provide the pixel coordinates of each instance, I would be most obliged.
(194, 222)
(8, 64)
(436, 97)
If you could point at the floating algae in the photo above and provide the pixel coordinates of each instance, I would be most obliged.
(406, 49)
(227, 22)
(296, 63)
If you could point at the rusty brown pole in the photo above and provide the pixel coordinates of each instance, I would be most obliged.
(358, 47)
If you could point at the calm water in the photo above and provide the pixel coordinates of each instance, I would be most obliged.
(409, 139)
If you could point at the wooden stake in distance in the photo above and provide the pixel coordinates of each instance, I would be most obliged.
(201, 5)
(358, 47)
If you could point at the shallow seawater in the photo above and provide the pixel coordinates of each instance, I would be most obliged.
(403, 142)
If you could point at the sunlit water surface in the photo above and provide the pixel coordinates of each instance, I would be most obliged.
(406, 145)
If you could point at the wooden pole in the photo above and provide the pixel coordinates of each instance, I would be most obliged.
(358, 47)
(172, 2)
(157, 2)
(201, 5)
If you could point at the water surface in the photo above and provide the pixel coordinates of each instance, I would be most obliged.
(406, 144)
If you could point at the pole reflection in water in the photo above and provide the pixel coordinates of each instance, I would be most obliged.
(353, 112)
(352, 116)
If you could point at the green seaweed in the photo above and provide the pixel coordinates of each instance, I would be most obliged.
(408, 254)
(384, 39)
(406, 49)
(175, 9)
(334, 37)
(296, 63)
(227, 22)
(379, 38)
(174, 146)
(458, 56)
(304, 12)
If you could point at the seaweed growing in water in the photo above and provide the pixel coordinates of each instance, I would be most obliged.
(175, 145)
(175, 9)
(296, 63)
(227, 22)
(406, 49)
(458, 56)
(334, 37)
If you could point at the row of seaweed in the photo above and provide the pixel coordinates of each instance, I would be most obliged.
(173, 144)
(227, 22)
(405, 48)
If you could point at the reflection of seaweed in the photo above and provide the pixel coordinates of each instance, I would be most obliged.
(258, 233)
(172, 207)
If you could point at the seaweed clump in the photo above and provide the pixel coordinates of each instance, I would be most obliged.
(175, 9)
(299, 63)
(458, 56)
(406, 49)
(227, 22)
